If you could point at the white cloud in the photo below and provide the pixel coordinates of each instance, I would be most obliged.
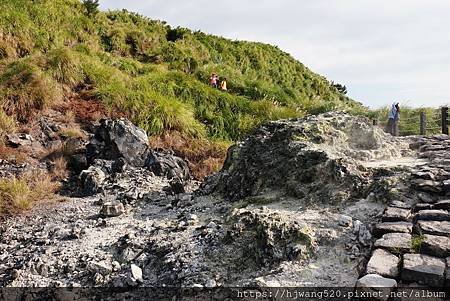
(382, 50)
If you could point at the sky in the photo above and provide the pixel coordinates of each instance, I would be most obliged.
(382, 50)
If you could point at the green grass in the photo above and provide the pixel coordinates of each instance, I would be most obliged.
(416, 243)
(155, 74)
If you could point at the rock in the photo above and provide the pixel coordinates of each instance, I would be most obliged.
(425, 198)
(211, 283)
(92, 180)
(427, 185)
(284, 155)
(168, 166)
(176, 187)
(399, 204)
(119, 138)
(98, 278)
(434, 228)
(15, 274)
(395, 242)
(396, 227)
(423, 269)
(433, 215)
(438, 246)
(116, 266)
(136, 273)
(357, 226)
(376, 284)
(78, 163)
(393, 214)
(102, 267)
(447, 272)
(345, 221)
(442, 205)
(112, 209)
(118, 166)
(364, 236)
(422, 206)
(17, 140)
(383, 263)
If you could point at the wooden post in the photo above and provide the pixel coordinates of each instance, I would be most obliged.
(423, 124)
(444, 118)
(375, 122)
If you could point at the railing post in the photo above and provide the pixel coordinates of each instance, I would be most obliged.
(423, 124)
(444, 118)
(375, 122)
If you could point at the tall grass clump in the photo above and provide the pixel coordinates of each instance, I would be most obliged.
(64, 66)
(21, 193)
(7, 125)
(25, 88)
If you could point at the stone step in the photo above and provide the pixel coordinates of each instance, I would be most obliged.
(434, 228)
(433, 215)
(422, 206)
(433, 245)
(395, 242)
(392, 227)
(400, 204)
(383, 263)
(447, 273)
(392, 214)
(445, 205)
(376, 283)
(427, 185)
(423, 269)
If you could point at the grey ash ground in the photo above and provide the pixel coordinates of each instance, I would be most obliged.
(298, 203)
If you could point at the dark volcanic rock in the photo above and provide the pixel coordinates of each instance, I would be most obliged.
(167, 165)
(120, 138)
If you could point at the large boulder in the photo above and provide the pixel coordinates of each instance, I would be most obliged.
(317, 157)
(169, 166)
(119, 138)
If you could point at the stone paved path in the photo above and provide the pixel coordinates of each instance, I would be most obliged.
(412, 245)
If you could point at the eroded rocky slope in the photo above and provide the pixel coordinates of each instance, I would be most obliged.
(295, 205)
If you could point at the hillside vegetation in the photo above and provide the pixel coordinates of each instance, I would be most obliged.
(57, 53)
(157, 75)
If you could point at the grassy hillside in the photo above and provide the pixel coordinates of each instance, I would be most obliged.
(153, 73)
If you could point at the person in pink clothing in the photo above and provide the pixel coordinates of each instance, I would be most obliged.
(213, 80)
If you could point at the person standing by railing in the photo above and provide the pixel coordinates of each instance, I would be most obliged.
(394, 117)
